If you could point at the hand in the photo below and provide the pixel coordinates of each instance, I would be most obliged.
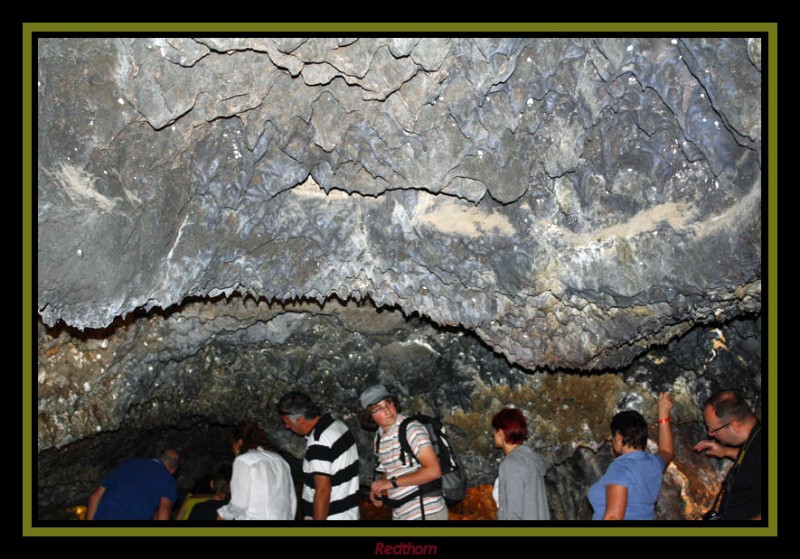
(380, 486)
(715, 450)
(664, 405)
(374, 499)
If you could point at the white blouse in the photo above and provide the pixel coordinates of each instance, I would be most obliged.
(261, 488)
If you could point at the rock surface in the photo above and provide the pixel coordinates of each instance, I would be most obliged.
(572, 201)
(566, 225)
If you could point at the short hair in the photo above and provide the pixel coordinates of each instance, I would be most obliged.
(729, 405)
(298, 404)
(222, 481)
(170, 458)
(252, 436)
(633, 428)
(512, 423)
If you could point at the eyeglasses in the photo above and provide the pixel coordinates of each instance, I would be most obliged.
(712, 431)
(379, 409)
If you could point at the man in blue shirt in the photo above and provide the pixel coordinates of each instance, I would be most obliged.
(139, 489)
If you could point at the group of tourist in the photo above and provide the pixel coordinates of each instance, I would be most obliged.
(259, 485)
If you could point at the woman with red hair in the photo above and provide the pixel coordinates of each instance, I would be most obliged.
(519, 490)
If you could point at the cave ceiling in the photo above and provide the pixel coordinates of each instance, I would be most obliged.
(570, 201)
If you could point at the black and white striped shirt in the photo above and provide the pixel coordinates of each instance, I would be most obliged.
(331, 451)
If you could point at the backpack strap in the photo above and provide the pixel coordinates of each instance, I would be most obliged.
(405, 446)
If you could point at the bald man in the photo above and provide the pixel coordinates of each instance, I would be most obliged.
(139, 489)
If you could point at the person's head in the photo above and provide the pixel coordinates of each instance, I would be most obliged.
(202, 485)
(379, 405)
(728, 418)
(248, 436)
(171, 459)
(298, 412)
(628, 430)
(221, 482)
(509, 427)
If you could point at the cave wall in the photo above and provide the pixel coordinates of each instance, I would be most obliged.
(182, 379)
(568, 225)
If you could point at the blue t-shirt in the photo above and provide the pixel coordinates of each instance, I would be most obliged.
(641, 473)
(134, 490)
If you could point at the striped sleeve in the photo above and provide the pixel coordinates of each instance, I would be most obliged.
(418, 437)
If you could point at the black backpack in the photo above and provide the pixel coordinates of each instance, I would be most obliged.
(454, 478)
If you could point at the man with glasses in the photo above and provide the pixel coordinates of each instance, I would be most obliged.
(735, 434)
(403, 483)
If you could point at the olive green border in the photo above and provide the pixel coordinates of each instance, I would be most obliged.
(458, 530)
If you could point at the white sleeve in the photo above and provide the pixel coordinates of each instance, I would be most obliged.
(236, 509)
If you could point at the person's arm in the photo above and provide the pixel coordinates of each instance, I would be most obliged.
(375, 491)
(240, 493)
(94, 501)
(182, 510)
(164, 509)
(429, 470)
(616, 502)
(666, 448)
(716, 450)
(322, 496)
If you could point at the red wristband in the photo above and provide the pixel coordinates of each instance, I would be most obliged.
(665, 420)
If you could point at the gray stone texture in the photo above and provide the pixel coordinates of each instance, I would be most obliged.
(573, 201)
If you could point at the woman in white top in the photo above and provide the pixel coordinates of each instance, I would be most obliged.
(261, 485)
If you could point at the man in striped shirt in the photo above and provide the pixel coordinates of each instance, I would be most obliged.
(403, 483)
(330, 463)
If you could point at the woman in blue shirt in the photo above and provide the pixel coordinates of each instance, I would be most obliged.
(629, 488)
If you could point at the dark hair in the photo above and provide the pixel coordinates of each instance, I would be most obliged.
(222, 481)
(512, 423)
(298, 403)
(252, 436)
(367, 423)
(202, 484)
(633, 428)
(729, 405)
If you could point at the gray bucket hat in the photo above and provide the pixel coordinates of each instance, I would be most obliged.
(372, 395)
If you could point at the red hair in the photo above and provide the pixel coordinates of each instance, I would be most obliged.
(513, 425)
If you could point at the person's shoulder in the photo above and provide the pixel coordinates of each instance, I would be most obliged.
(638, 459)
(655, 461)
(416, 429)
(412, 422)
(335, 428)
(622, 463)
(252, 456)
(524, 455)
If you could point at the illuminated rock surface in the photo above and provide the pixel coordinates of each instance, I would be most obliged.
(568, 225)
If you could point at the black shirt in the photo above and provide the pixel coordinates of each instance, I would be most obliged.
(742, 497)
(207, 510)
